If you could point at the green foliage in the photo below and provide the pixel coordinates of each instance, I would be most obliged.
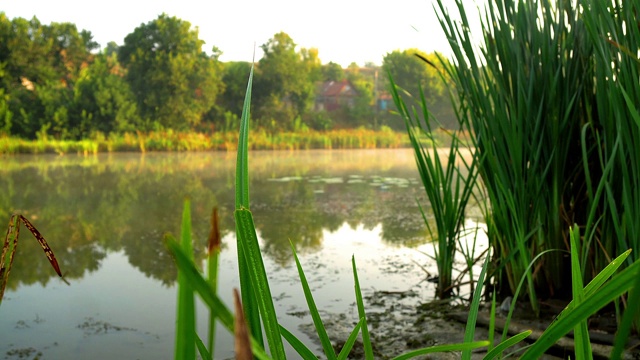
(285, 82)
(415, 71)
(174, 82)
(104, 99)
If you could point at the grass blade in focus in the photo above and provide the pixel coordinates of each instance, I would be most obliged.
(247, 289)
(248, 240)
(302, 350)
(351, 340)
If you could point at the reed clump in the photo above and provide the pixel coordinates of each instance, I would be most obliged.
(550, 98)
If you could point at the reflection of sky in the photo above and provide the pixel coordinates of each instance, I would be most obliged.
(117, 311)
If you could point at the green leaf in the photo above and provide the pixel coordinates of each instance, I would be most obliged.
(297, 345)
(199, 284)
(186, 313)
(315, 315)
(495, 352)
(442, 348)
(366, 339)
(574, 314)
(473, 310)
(248, 241)
(242, 161)
(351, 340)
(581, 331)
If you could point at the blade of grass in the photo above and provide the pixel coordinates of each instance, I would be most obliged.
(495, 352)
(211, 299)
(581, 331)
(186, 315)
(366, 339)
(351, 340)
(202, 349)
(315, 315)
(473, 310)
(247, 288)
(570, 317)
(442, 348)
(248, 240)
(302, 350)
(212, 273)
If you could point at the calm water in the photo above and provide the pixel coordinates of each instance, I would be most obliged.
(105, 217)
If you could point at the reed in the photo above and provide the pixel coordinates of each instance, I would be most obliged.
(449, 182)
(169, 140)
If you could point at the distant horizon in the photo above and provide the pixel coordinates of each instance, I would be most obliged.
(343, 32)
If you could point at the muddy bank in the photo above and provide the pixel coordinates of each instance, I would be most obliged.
(398, 323)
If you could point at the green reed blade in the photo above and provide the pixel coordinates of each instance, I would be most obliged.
(214, 241)
(203, 288)
(186, 316)
(248, 240)
(249, 298)
(473, 310)
(366, 339)
(202, 349)
(297, 345)
(497, 351)
(572, 315)
(351, 340)
(242, 161)
(581, 331)
(315, 315)
(442, 348)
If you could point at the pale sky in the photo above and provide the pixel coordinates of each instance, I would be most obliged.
(344, 31)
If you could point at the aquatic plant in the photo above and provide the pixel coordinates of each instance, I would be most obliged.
(449, 183)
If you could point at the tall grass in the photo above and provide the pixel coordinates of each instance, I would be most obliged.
(549, 98)
(449, 184)
(169, 140)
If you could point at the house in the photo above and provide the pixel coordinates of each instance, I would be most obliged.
(332, 95)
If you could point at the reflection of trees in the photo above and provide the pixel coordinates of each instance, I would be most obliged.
(88, 206)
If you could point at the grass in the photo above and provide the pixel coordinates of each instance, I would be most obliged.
(449, 184)
(258, 309)
(360, 138)
(549, 98)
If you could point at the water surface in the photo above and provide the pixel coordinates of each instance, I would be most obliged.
(105, 217)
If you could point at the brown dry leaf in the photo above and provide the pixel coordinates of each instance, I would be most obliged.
(242, 345)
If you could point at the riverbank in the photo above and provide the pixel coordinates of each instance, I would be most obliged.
(224, 141)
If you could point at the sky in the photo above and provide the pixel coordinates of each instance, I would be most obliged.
(343, 31)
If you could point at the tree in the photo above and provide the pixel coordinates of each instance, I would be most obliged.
(285, 82)
(413, 69)
(40, 64)
(174, 82)
(332, 72)
(103, 100)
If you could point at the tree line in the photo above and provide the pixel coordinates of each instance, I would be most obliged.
(55, 81)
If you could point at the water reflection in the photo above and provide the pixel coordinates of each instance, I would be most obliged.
(88, 207)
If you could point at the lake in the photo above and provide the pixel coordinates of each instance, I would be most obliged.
(105, 217)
